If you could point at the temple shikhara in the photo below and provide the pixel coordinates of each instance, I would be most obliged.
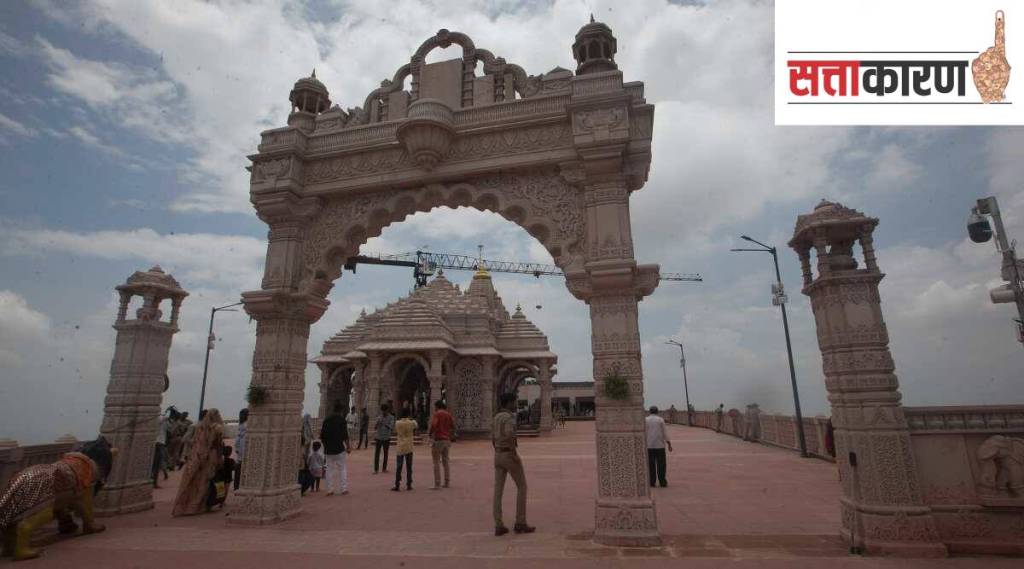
(440, 342)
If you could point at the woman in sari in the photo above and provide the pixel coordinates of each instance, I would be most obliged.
(205, 456)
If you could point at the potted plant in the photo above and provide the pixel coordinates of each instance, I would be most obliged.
(615, 385)
(257, 395)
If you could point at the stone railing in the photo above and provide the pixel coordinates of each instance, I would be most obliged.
(776, 430)
(14, 458)
(969, 463)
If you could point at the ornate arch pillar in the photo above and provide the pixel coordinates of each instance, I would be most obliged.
(283, 314)
(610, 166)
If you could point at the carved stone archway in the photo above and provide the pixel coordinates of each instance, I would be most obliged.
(558, 154)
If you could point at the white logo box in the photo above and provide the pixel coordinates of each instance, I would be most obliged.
(896, 31)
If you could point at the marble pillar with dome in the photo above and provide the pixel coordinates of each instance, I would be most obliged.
(438, 343)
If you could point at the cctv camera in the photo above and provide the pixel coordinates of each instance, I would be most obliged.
(978, 228)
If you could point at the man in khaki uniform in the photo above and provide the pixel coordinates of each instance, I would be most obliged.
(507, 461)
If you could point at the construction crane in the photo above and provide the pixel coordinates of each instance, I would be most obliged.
(426, 263)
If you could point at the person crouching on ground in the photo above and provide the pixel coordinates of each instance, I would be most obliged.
(657, 440)
(316, 462)
(441, 427)
(405, 431)
(334, 435)
(507, 462)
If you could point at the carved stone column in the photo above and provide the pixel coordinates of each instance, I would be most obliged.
(435, 377)
(488, 363)
(325, 392)
(138, 370)
(612, 285)
(611, 164)
(359, 385)
(269, 492)
(289, 302)
(373, 385)
(545, 396)
(882, 506)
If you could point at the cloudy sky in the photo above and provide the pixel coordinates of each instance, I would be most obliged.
(124, 127)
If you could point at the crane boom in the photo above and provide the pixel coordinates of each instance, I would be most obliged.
(426, 263)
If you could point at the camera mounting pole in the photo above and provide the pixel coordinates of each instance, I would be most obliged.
(1012, 271)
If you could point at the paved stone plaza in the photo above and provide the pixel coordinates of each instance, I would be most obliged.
(752, 505)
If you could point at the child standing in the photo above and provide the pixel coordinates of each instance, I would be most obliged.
(405, 430)
(218, 492)
(316, 462)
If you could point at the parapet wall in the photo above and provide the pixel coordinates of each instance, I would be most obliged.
(13, 457)
(970, 463)
(776, 430)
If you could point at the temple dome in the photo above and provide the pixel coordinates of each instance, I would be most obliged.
(309, 95)
(412, 319)
(594, 48)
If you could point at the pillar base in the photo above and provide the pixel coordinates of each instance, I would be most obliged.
(124, 499)
(907, 531)
(626, 523)
(262, 507)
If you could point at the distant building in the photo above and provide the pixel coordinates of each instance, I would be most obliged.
(572, 398)
(438, 343)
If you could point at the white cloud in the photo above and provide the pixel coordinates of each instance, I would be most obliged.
(892, 170)
(21, 326)
(226, 260)
(10, 125)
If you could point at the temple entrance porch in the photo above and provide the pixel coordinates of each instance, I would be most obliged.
(413, 392)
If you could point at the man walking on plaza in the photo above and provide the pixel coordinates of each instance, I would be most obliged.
(384, 426)
(507, 462)
(334, 435)
(657, 440)
(440, 432)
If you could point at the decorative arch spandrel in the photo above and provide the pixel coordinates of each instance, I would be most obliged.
(541, 202)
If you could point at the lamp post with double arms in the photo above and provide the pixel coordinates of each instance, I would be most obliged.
(779, 299)
(209, 346)
(686, 388)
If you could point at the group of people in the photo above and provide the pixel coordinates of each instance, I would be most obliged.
(326, 456)
(209, 468)
(173, 436)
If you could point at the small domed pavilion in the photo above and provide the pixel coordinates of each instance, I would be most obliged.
(438, 343)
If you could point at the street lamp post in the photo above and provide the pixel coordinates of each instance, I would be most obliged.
(209, 346)
(686, 387)
(779, 299)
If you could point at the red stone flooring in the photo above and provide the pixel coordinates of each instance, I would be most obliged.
(728, 502)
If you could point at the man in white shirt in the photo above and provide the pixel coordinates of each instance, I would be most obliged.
(352, 420)
(657, 441)
(160, 449)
